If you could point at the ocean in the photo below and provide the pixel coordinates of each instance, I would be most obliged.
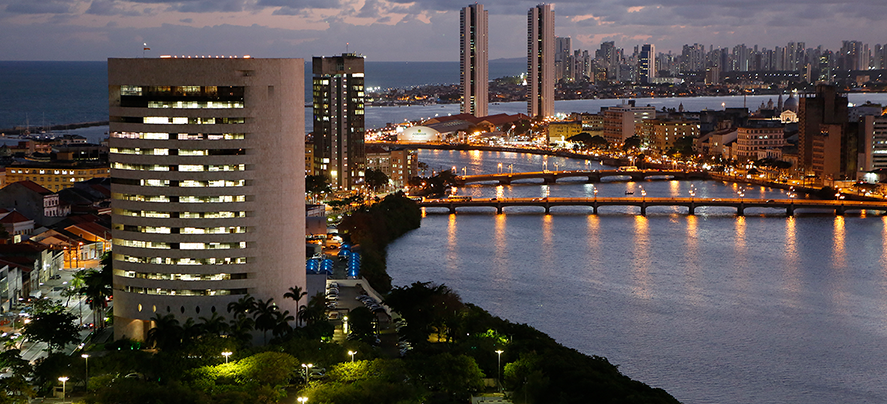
(57, 93)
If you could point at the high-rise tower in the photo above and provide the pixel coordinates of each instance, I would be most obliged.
(540, 61)
(207, 178)
(647, 62)
(474, 60)
(339, 151)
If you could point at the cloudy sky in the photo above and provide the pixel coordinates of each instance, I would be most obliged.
(402, 30)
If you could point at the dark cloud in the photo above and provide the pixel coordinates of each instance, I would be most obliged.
(110, 7)
(199, 6)
(39, 7)
(187, 20)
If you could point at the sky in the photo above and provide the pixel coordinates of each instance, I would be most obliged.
(420, 30)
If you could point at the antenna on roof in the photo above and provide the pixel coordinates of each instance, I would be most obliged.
(145, 48)
(346, 47)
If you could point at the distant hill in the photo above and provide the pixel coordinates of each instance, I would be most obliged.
(510, 60)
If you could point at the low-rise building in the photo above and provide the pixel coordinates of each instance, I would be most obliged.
(664, 132)
(760, 139)
(559, 132)
(56, 176)
(398, 164)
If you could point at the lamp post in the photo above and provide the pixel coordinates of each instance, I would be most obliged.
(511, 168)
(302, 399)
(226, 354)
(86, 358)
(499, 167)
(352, 355)
(499, 370)
(64, 380)
(595, 192)
(307, 369)
(545, 165)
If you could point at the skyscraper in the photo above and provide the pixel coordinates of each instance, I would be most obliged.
(540, 61)
(826, 144)
(647, 62)
(473, 59)
(207, 182)
(339, 151)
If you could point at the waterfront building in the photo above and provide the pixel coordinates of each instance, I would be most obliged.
(873, 132)
(664, 132)
(826, 146)
(559, 132)
(474, 59)
(760, 139)
(647, 64)
(540, 61)
(207, 185)
(622, 122)
(338, 88)
(56, 176)
(399, 164)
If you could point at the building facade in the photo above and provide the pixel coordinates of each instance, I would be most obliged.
(339, 151)
(873, 155)
(623, 121)
(207, 185)
(540, 61)
(55, 176)
(647, 64)
(474, 59)
(399, 164)
(760, 139)
(823, 113)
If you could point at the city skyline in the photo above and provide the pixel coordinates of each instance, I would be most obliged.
(393, 31)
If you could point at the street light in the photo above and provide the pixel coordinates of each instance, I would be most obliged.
(511, 168)
(302, 399)
(545, 165)
(499, 370)
(307, 369)
(64, 380)
(86, 357)
(226, 354)
(352, 355)
(595, 192)
(499, 167)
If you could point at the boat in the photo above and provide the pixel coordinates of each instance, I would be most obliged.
(629, 192)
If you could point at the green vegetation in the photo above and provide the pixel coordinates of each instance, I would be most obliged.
(374, 227)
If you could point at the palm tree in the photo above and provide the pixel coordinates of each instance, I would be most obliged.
(282, 326)
(296, 293)
(265, 315)
(97, 289)
(313, 312)
(166, 334)
(215, 325)
(241, 329)
(242, 306)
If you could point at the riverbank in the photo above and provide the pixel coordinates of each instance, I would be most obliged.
(42, 130)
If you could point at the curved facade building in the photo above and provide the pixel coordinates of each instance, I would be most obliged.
(207, 185)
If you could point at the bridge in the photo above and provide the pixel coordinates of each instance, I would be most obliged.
(788, 205)
(550, 177)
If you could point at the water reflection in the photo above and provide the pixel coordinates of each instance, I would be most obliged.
(692, 270)
(791, 283)
(548, 257)
(838, 254)
(641, 259)
(500, 250)
(451, 259)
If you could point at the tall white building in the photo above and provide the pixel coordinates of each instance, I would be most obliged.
(339, 129)
(540, 61)
(873, 153)
(474, 60)
(207, 185)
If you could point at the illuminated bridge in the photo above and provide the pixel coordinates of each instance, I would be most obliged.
(550, 177)
(788, 205)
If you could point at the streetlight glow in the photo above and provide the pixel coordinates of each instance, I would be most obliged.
(64, 380)
(499, 369)
(86, 357)
(352, 355)
(226, 354)
(307, 369)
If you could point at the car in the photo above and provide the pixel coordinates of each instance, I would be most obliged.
(334, 315)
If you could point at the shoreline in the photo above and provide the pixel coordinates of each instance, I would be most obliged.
(79, 125)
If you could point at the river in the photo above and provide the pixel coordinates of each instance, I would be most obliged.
(713, 308)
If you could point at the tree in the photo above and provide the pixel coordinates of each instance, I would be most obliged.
(296, 293)
(375, 179)
(166, 333)
(243, 306)
(98, 287)
(633, 142)
(55, 328)
(599, 142)
(265, 315)
(361, 322)
(316, 184)
(423, 167)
